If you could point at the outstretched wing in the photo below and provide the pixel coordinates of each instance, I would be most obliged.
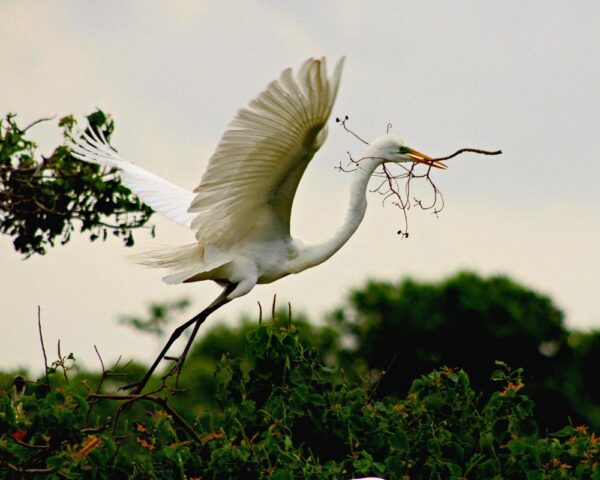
(251, 179)
(165, 197)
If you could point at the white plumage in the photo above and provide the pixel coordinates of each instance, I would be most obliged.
(240, 211)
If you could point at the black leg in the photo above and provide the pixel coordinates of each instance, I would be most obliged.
(197, 320)
(179, 363)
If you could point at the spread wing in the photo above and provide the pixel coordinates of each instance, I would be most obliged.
(251, 179)
(165, 197)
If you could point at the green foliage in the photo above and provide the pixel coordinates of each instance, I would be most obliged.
(41, 199)
(287, 415)
(470, 321)
(198, 375)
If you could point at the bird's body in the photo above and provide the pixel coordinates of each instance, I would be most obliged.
(240, 212)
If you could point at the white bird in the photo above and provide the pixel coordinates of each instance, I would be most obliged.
(240, 211)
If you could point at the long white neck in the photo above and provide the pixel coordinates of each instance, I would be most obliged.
(313, 255)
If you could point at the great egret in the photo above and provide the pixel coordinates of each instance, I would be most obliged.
(240, 211)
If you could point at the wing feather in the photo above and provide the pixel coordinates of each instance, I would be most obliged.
(165, 197)
(253, 175)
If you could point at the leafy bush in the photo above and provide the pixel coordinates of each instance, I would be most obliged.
(469, 320)
(288, 416)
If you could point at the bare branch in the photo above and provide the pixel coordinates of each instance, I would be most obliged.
(342, 122)
(154, 399)
(473, 150)
(43, 347)
(100, 358)
(260, 313)
(398, 186)
(39, 120)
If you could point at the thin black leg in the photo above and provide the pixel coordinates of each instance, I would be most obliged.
(197, 320)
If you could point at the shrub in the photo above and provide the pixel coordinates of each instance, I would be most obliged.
(289, 416)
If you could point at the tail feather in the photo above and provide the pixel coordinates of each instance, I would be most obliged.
(187, 262)
(175, 258)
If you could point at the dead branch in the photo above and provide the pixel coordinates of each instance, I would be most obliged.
(43, 347)
(473, 150)
(342, 122)
(39, 120)
(260, 313)
(399, 186)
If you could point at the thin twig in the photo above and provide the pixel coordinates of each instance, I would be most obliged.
(385, 372)
(39, 120)
(98, 387)
(61, 363)
(99, 428)
(100, 358)
(28, 445)
(259, 313)
(463, 150)
(159, 401)
(14, 468)
(390, 186)
(342, 122)
(43, 347)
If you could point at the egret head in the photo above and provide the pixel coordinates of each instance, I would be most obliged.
(393, 149)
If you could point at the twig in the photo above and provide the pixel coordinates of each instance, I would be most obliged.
(273, 306)
(39, 120)
(114, 372)
(463, 150)
(343, 121)
(99, 358)
(390, 185)
(43, 347)
(61, 363)
(159, 401)
(100, 382)
(99, 428)
(385, 372)
(259, 313)
(29, 445)
(14, 468)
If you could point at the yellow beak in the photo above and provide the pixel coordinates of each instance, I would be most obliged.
(419, 157)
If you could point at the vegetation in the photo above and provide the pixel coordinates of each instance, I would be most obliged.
(381, 389)
(470, 321)
(288, 415)
(44, 198)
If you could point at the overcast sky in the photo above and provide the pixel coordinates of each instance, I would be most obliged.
(520, 76)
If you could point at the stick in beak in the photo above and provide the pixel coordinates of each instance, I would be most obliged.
(419, 157)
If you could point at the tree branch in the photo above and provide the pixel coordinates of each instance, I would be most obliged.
(159, 401)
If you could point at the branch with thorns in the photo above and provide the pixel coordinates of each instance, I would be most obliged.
(398, 186)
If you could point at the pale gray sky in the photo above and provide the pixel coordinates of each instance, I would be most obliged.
(521, 76)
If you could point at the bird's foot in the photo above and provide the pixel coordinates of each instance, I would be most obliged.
(176, 369)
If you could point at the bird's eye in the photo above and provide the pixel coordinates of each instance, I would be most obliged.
(402, 150)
